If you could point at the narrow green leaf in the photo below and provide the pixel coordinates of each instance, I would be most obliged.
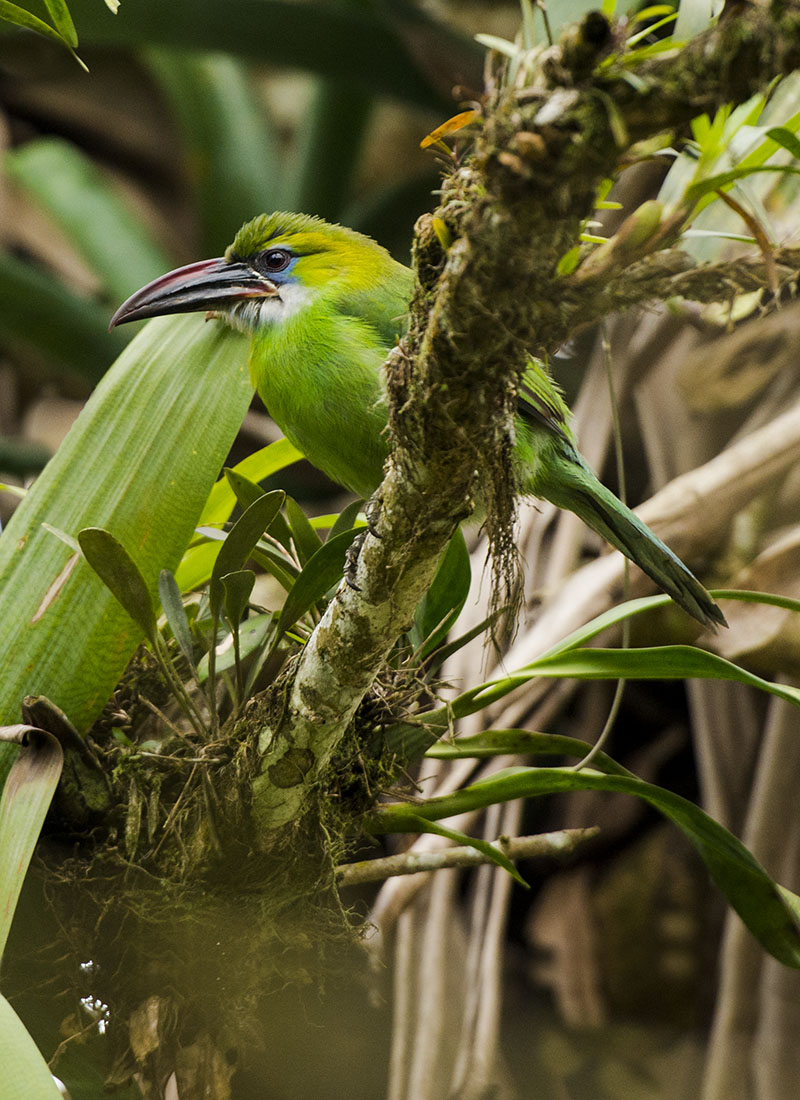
(175, 613)
(346, 518)
(13, 13)
(306, 539)
(785, 138)
(120, 573)
(255, 633)
(463, 639)
(421, 825)
(257, 466)
(247, 492)
(277, 565)
(746, 885)
(241, 540)
(723, 179)
(62, 21)
(238, 586)
(323, 570)
(520, 743)
(445, 599)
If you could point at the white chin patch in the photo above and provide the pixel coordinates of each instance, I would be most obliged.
(253, 313)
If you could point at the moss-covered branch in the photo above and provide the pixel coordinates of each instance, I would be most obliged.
(488, 293)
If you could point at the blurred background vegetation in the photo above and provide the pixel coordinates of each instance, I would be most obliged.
(197, 114)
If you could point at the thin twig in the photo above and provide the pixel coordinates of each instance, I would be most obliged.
(557, 844)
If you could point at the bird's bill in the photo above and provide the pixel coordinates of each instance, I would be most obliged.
(208, 284)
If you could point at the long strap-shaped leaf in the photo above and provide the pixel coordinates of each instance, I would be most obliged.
(23, 804)
(139, 462)
(769, 911)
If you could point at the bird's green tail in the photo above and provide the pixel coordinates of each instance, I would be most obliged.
(570, 483)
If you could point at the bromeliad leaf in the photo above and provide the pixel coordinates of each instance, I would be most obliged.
(121, 575)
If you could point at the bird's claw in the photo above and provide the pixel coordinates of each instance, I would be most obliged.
(372, 513)
(351, 561)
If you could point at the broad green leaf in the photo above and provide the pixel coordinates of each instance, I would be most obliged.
(25, 1073)
(323, 570)
(121, 575)
(257, 466)
(240, 541)
(175, 613)
(25, 799)
(305, 538)
(746, 885)
(113, 241)
(138, 462)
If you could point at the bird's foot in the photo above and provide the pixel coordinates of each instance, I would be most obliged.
(351, 560)
(372, 513)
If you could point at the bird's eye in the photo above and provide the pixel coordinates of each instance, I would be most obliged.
(274, 259)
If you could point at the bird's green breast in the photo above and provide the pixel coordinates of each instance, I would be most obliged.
(318, 373)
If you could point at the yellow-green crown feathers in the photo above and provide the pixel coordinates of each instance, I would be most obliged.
(325, 251)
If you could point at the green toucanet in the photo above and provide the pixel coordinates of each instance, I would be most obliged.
(324, 306)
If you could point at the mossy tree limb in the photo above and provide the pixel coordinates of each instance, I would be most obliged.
(487, 293)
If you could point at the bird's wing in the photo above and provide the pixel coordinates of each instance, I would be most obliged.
(541, 402)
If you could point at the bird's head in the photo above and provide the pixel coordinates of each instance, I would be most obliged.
(277, 265)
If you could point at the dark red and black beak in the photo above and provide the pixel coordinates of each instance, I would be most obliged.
(206, 285)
